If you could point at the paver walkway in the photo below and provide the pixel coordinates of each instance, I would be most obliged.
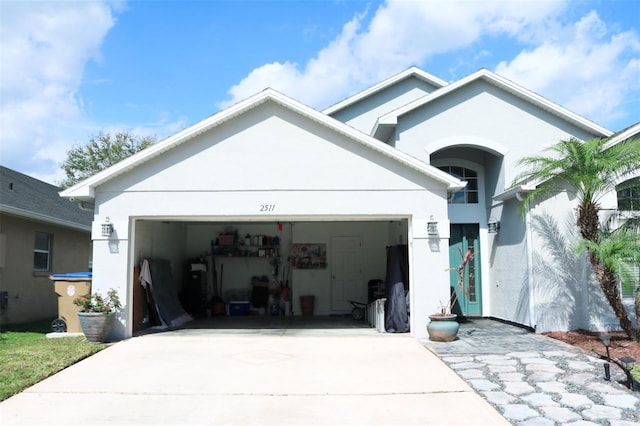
(536, 380)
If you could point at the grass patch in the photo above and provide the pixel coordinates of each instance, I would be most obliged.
(29, 357)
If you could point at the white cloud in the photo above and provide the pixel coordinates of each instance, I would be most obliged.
(399, 34)
(45, 47)
(584, 68)
(581, 65)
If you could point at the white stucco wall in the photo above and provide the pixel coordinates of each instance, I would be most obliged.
(566, 293)
(481, 115)
(299, 169)
(364, 114)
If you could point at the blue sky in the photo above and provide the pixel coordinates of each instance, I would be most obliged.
(72, 69)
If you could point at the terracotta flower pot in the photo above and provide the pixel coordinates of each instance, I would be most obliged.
(443, 328)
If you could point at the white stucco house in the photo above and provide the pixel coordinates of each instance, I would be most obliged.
(412, 161)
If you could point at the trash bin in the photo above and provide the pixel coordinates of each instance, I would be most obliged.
(307, 304)
(68, 287)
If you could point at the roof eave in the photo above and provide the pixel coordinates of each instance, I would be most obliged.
(628, 133)
(412, 71)
(508, 86)
(85, 190)
(515, 192)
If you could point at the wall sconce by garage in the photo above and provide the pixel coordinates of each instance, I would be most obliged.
(432, 226)
(493, 227)
(107, 228)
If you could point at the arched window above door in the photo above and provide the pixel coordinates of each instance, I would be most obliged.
(468, 195)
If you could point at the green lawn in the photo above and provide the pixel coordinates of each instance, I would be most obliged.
(29, 357)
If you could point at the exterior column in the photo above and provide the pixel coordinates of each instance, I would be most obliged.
(429, 277)
(111, 269)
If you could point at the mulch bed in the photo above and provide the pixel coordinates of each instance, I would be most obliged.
(621, 345)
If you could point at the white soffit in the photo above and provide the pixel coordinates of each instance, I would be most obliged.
(391, 119)
(85, 190)
(411, 72)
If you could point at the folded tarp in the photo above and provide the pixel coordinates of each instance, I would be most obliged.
(157, 275)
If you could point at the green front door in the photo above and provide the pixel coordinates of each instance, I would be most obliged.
(464, 260)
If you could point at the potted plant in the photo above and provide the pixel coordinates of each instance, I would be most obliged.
(96, 314)
(444, 326)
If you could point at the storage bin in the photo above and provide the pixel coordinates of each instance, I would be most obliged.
(239, 308)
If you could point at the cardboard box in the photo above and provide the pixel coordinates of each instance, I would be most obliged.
(239, 308)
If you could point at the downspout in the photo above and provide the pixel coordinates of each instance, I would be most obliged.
(529, 246)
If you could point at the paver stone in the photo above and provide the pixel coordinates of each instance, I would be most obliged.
(518, 411)
(554, 387)
(518, 388)
(498, 398)
(540, 400)
(560, 414)
(602, 412)
(622, 401)
(575, 400)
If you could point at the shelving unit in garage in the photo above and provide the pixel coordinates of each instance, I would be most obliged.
(262, 247)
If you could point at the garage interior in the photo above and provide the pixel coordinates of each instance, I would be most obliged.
(255, 274)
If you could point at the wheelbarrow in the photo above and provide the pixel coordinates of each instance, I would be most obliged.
(359, 310)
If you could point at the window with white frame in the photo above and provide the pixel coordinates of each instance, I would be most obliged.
(629, 291)
(468, 195)
(629, 198)
(629, 201)
(42, 252)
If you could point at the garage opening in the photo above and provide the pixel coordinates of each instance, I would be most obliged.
(256, 274)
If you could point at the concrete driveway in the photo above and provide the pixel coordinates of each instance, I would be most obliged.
(255, 377)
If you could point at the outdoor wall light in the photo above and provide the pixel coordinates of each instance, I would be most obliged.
(107, 228)
(606, 341)
(432, 226)
(628, 362)
(493, 227)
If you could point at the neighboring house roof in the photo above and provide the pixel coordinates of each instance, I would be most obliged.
(411, 72)
(85, 190)
(387, 123)
(24, 196)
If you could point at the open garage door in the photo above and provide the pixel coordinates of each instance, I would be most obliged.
(262, 269)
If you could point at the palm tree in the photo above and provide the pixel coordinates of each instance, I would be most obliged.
(619, 251)
(593, 169)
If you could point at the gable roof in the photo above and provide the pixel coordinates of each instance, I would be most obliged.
(85, 190)
(408, 73)
(29, 198)
(389, 121)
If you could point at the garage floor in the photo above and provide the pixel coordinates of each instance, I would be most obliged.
(280, 325)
